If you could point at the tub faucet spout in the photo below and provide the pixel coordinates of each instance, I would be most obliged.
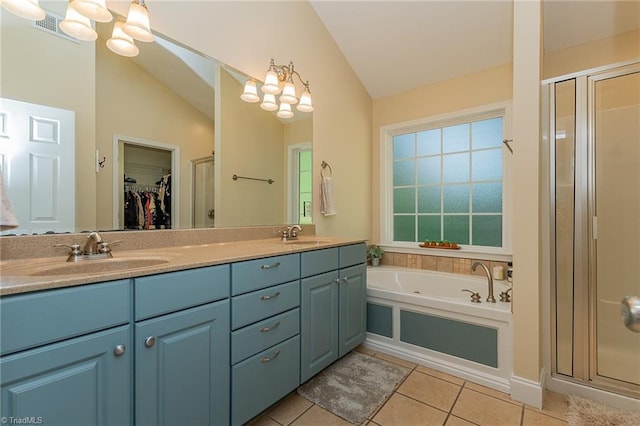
(490, 297)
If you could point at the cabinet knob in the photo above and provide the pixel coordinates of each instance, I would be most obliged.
(119, 350)
(150, 341)
(345, 280)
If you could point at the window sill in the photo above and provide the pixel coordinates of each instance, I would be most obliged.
(464, 252)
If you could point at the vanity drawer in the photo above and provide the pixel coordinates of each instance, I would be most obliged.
(264, 334)
(256, 274)
(252, 307)
(34, 319)
(354, 254)
(319, 261)
(263, 379)
(159, 294)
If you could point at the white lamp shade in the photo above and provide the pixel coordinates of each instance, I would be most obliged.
(305, 102)
(137, 25)
(78, 26)
(27, 9)
(269, 102)
(288, 94)
(285, 111)
(121, 43)
(96, 10)
(250, 93)
(270, 85)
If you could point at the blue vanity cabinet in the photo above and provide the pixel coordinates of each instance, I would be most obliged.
(265, 341)
(182, 347)
(333, 305)
(68, 355)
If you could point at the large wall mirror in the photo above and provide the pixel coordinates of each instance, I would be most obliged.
(87, 134)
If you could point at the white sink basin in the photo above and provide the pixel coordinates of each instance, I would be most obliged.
(307, 242)
(84, 267)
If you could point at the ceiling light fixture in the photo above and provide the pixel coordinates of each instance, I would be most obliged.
(137, 25)
(96, 10)
(77, 25)
(121, 42)
(27, 9)
(277, 74)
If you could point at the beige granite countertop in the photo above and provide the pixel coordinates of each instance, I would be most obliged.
(26, 275)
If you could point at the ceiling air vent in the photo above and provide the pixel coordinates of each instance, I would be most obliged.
(51, 24)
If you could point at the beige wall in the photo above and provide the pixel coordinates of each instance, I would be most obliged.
(40, 68)
(246, 35)
(130, 102)
(477, 89)
(253, 141)
(612, 50)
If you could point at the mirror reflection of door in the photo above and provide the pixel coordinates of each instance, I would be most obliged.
(300, 183)
(37, 157)
(203, 192)
(146, 201)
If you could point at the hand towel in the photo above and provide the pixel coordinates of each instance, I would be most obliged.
(7, 217)
(327, 203)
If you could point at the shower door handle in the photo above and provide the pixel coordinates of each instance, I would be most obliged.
(630, 310)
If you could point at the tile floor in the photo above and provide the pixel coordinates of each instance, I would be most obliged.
(427, 397)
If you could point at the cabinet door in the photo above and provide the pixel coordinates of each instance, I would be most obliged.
(319, 327)
(353, 307)
(82, 381)
(182, 367)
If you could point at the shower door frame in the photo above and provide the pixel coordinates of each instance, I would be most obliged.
(584, 356)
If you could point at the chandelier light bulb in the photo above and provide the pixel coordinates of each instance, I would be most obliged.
(96, 10)
(305, 104)
(27, 9)
(250, 93)
(137, 25)
(121, 43)
(285, 111)
(289, 93)
(78, 26)
(269, 102)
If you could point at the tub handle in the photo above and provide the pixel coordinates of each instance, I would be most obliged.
(475, 297)
(505, 296)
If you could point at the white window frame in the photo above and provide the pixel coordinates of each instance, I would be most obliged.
(503, 253)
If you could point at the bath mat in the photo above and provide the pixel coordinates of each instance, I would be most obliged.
(355, 386)
(584, 412)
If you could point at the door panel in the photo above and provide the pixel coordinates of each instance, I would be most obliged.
(616, 228)
(37, 146)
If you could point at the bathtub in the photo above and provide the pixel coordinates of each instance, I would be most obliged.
(424, 317)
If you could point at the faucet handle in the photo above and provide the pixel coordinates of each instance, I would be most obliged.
(505, 296)
(475, 297)
(105, 247)
(75, 248)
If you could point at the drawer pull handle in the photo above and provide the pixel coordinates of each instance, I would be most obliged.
(267, 329)
(267, 359)
(274, 265)
(273, 296)
(150, 341)
(119, 350)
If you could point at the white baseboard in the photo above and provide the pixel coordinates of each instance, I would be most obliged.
(528, 391)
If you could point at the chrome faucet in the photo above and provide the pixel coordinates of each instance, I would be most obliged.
(93, 240)
(490, 297)
(291, 233)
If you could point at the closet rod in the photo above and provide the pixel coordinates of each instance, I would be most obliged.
(236, 177)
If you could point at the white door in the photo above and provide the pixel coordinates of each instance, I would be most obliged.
(37, 159)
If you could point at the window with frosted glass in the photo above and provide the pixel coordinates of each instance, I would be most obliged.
(447, 184)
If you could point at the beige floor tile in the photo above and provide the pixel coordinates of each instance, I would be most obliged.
(488, 391)
(317, 416)
(554, 405)
(534, 418)
(403, 411)
(364, 350)
(289, 409)
(483, 409)
(430, 390)
(396, 360)
(263, 420)
(444, 376)
(457, 421)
